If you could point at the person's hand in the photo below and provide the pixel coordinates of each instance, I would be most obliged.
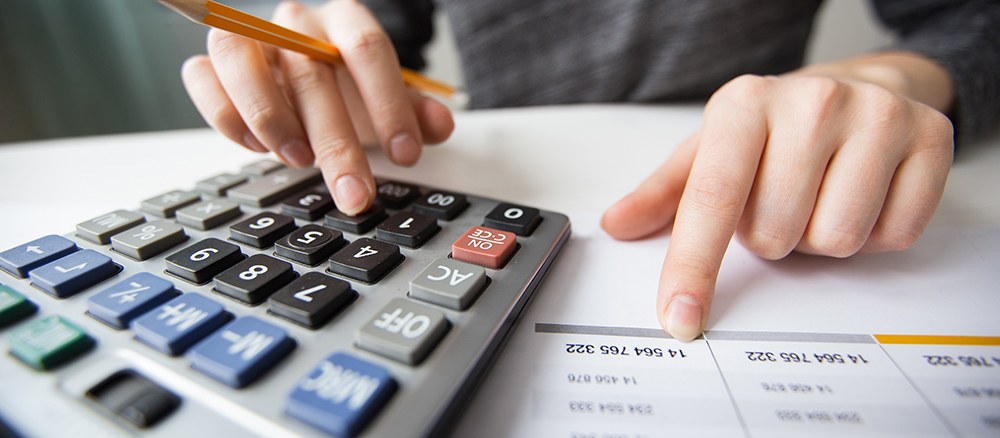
(807, 163)
(305, 110)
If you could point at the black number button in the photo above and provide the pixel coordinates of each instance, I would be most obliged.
(310, 244)
(442, 205)
(200, 262)
(366, 260)
(407, 229)
(312, 299)
(309, 205)
(358, 224)
(396, 195)
(262, 230)
(514, 218)
(253, 279)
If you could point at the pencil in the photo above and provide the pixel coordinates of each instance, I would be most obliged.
(223, 17)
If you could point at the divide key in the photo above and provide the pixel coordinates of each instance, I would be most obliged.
(19, 260)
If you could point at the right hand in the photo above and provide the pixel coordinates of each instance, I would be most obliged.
(305, 110)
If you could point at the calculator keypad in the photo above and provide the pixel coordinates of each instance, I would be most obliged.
(205, 259)
(149, 239)
(253, 279)
(310, 245)
(262, 230)
(403, 331)
(365, 260)
(311, 299)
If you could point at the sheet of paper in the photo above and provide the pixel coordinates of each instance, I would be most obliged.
(797, 347)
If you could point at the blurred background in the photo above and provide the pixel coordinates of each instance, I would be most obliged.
(74, 68)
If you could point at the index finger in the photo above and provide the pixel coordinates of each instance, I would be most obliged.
(734, 132)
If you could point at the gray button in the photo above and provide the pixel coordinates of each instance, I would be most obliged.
(404, 331)
(148, 240)
(166, 205)
(100, 229)
(217, 185)
(261, 168)
(449, 283)
(208, 214)
(274, 186)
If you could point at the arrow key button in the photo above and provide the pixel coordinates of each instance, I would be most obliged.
(20, 260)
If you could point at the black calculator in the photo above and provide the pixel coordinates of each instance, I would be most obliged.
(248, 305)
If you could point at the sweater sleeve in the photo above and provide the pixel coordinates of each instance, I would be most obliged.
(964, 38)
(409, 24)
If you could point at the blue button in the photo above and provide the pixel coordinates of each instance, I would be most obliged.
(179, 323)
(73, 273)
(20, 260)
(120, 304)
(341, 394)
(241, 351)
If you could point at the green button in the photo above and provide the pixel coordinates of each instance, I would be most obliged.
(48, 343)
(13, 306)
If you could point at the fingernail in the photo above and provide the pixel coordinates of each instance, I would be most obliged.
(404, 149)
(683, 318)
(296, 153)
(251, 142)
(351, 194)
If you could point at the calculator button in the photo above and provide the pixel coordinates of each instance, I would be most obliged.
(48, 343)
(208, 214)
(449, 283)
(166, 205)
(179, 323)
(253, 279)
(73, 273)
(341, 394)
(407, 228)
(403, 331)
(485, 246)
(19, 260)
(310, 244)
(515, 218)
(274, 186)
(261, 168)
(134, 398)
(118, 305)
(309, 205)
(262, 230)
(442, 205)
(200, 262)
(366, 260)
(147, 240)
(13, 306)
(358, 224)
(241, 351)
(396, 195)
(311, 299)
(218, 185)
(100, 229)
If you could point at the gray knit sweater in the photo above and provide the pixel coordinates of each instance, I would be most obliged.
(535, 52)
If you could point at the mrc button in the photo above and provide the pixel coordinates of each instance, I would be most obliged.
(515, 218)
(484, 246)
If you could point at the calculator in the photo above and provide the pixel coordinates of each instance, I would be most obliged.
(248, 305)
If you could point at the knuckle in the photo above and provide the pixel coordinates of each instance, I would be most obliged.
(770, 241)
(745, 88)
(332, 151)
(262, 117)
(898, 238)
(306, 76)
(825, 96)
(223, 117)
(367, 42)
(224, 44)
(838, 243)
(287, 9)
(716, 191)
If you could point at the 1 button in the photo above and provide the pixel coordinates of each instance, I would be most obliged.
(358, 224)
(166, 205)
(312, 299)
(200, 262)
(262, 230)
(485, 246)
(396, 195)
(514, 218)
(48, 343)
(366, 260)
(13, 306)
(134, 398)
(403, 331)
(179, 323)
(253, 279)
(309, 205)
(442, 205)
(147, 240)
(241, 351)
(310, 244)
(208, 214)
(449, 283)
(118, 305)
(19, 260)
(341, 395)
(100, 229)
(407, 228)
(73, 273)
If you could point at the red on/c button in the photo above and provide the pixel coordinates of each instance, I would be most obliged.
(484, 246)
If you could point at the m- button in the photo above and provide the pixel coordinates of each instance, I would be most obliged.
(485, 246)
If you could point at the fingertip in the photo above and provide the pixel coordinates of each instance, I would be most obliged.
(351, 194)
(682, 318)
(636, 216)
(404, 149)
(435, 119)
